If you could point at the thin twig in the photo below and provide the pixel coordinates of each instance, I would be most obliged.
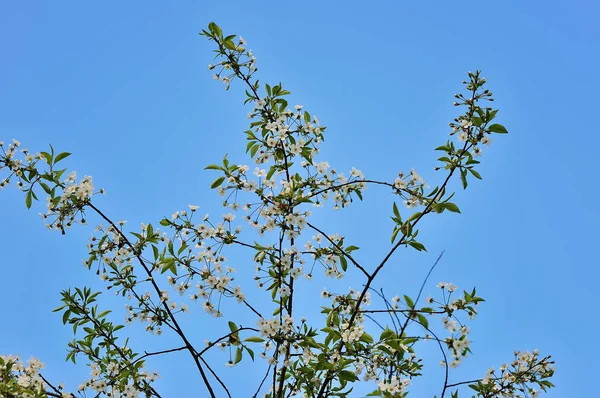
(348, 256)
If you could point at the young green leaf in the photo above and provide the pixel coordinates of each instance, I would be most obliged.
(254, 339)
(216, 183)
(451, 207)
(28, 200)
(497, 128)
(61, 156)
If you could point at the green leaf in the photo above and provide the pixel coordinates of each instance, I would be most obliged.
(463, 178)
(254, 339)
(250, 352)
(357, 192)
(546, 384)
(32, 174)
(475, 173)
(61, 156)
(271, 171)
(414, 216)
(476, 387)
(215, 30)
(213, 167)
(394, 234)
(497, 128)
(343, 263)
(47, 156)
(238, 355)
(182, 248)
(232, 326)
(28, 200)
(409, 301)
(59, 173)
(59, 308)
(387, 334)
(216, 183)
(366, 338)
(46, 188)
(396, 211)
(423, 320)
(451, 207)
(417, 245)
(348, 376)
(169, 265)
(65, 317)
(229, 44)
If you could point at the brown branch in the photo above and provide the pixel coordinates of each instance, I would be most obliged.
(427, 210)
(352, 260)
(225, 337)
(216, 377)
(179, 331)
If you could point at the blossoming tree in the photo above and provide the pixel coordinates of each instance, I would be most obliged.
(160, 271)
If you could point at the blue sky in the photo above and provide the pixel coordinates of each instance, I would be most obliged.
(125, 88)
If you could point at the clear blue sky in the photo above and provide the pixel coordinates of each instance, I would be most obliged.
(125, 88)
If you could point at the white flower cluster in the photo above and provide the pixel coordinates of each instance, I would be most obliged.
(346, 304)
(464, 130)
(449, 286)
(72, 201)
(526, 368)
(27, 376)
(111, 248)
(328, 256)
(393, 386)
(293, 134)
(206, 262)
(216, 277)
(102, 382)
(288, 265)
(81, 191)
(116, 256)
(326, 181)
(382, 366)
(244, 59)
(308, 355)
(281, 129)
(465, 126)
(63, 208)
(458, 343)
(352, 334)
(413, 185)
(15, 166)
(271, 328)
